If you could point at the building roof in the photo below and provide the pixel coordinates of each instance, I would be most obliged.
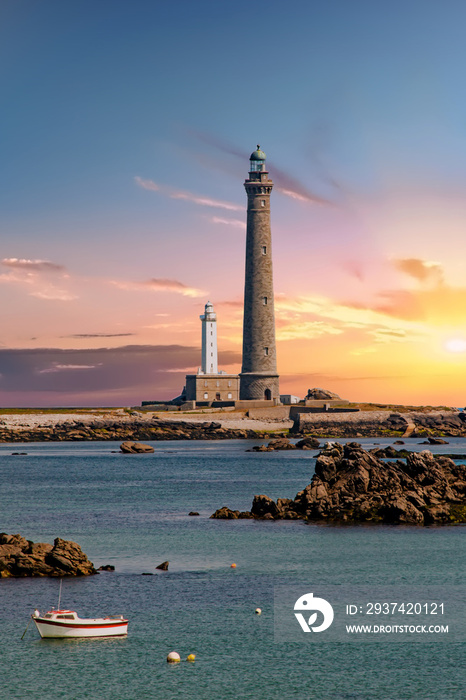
(257, 155)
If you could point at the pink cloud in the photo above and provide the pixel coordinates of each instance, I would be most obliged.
(187, 196)
(161, 285)
(32, 265)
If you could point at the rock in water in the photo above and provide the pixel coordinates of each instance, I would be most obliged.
(163, 566)
(20, 557)
(135, 448)
(353, 485)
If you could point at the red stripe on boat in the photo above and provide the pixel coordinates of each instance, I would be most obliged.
(117, 623)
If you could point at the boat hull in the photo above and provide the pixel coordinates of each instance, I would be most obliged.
(54, 629)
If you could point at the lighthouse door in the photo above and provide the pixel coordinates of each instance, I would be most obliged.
(268, 395)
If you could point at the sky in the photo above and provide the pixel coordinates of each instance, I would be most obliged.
(125, 136)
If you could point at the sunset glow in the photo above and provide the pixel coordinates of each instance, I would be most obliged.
(124, 210)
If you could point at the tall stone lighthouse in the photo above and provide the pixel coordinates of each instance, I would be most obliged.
(259, 378)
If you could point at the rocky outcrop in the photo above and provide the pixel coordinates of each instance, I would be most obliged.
(21, 557)
(127, 429)
(317, 394)
(225, 513)
(283, 443)
(135, 448)
(353, 485)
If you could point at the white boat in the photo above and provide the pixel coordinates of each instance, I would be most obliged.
(66, 623)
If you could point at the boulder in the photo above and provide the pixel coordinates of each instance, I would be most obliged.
(317, 394)
(21, 557)
(281, 443)
(308, 443)
(225, 514)
(135, 448)
(163, 566)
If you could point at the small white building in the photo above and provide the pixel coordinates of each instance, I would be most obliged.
(289, 399)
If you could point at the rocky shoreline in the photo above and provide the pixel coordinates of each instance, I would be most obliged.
(125, 430)
(122, 426)
(20, 557)
(352, 485)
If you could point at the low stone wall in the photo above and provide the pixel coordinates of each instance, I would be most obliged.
(377, 423)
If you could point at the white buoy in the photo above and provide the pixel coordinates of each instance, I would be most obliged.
(173, 657)
(258, 611)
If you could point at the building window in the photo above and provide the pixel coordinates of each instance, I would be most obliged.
(217, 383)
(205, 380)
(229, 382)
(230, 395)
(266, 351)
(211, 354)
(264, 250)
(206, 395)
(217, 397)
(264, 301)
(262, 202)
(211, 345)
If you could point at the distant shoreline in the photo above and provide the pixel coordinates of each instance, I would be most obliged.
(113, 424)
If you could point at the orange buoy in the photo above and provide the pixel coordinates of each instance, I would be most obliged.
(233, 566)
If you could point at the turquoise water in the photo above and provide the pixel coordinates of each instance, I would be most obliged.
(132, 511)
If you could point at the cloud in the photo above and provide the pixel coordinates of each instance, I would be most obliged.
(33, 265)
(147, 184)
(53, 294)
(187, 196)
(306, 330)
(65, 368)
(161, 285)
(167, 285)
(354, 268)
(388, 335)
(228, 222)
(37, 275)
(98, 335)
(96, 376)
(285, 183)
(421, 270)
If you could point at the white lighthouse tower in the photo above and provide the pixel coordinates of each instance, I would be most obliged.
(209, 340)
(210, 386)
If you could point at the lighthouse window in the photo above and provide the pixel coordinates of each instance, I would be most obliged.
(229, 383)
(206, 395)
(230, 396)
(262, 202)
(218, 383)
(264, 250)
(264, 300)
(205, 381)
(266, 351)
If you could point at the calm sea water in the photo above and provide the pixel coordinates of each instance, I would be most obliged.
(132, 512)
